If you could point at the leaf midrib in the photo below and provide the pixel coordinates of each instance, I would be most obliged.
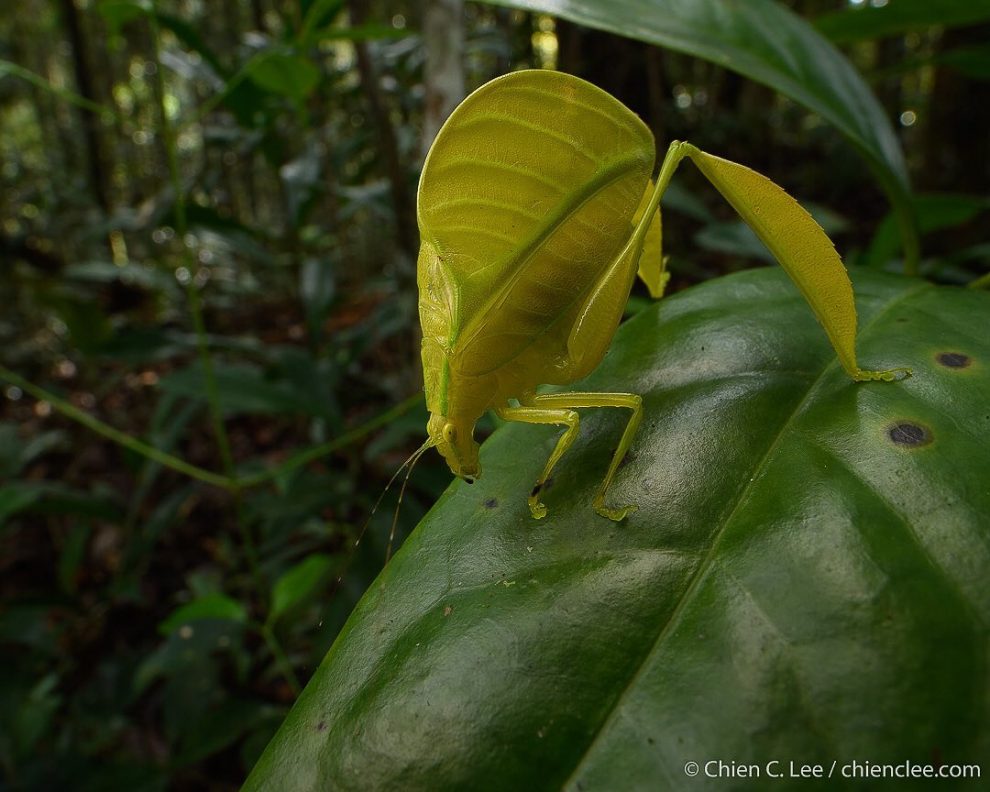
(706, 562)
(608, 176)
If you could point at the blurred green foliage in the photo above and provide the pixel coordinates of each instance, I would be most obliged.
(207, 248)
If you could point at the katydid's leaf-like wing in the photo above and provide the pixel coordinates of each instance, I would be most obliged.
(526, 197)
(800, 246)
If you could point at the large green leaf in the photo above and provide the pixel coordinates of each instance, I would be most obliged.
(300, 583)
(211, 607)
(767, 42)
(285, 73)
(805, 579)
(892, 19)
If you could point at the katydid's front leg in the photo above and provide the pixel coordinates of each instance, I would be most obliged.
(558, 408)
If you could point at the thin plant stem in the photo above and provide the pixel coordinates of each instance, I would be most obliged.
(907, 220)
(181, 229)
(37, 80)
(314, 453)
(281, 660)
(129, 442)
(169, 138)
(179, 465)
(217, 99)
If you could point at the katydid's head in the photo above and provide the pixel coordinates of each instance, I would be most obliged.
(455, 441)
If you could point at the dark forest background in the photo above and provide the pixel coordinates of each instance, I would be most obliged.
(209, 358)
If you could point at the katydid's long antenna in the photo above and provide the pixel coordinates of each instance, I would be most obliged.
(410, 462)
(402, 491)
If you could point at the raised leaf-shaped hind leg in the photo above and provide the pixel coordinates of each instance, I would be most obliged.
(800, 246)
(797, 242)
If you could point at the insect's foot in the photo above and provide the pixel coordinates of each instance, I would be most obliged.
(890, 375)
(537, 509)
(615, 515)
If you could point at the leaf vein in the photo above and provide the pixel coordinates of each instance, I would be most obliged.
(568, 141)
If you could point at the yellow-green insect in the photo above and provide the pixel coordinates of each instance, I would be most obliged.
(536, 211)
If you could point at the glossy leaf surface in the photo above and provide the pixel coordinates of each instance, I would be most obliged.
(806, 577)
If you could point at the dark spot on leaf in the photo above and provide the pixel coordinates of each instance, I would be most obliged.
(548, 483)
(321, 726)
(953, 359)
(649, 740)
(909, 434)
(536, 490)
(491, 503)
(629, 457)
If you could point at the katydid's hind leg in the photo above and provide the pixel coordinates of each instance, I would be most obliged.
(630, 401)
(543, 415)
(598, 318)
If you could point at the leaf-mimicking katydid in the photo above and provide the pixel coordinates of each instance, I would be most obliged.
(536, 211)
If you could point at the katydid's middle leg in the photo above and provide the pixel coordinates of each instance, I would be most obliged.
(558, 408)
(630, 401)
(544, 415)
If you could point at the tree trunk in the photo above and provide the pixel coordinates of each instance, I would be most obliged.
(96, 164)
(443, 36)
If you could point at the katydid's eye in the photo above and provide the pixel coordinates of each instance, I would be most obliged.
(449, 433)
